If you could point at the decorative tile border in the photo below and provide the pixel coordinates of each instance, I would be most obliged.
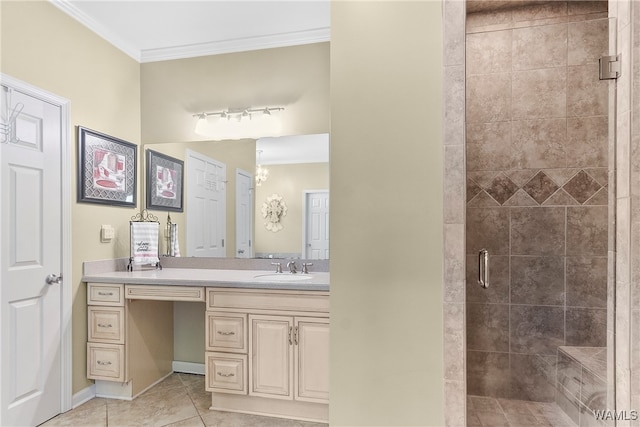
(548, 188)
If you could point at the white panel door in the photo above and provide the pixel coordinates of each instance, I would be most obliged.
(244, 214)
(316, 232)
(31, 250)
(206, 196)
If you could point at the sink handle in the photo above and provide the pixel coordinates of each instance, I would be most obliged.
(292, 267)
(278, 267)
(305, 265)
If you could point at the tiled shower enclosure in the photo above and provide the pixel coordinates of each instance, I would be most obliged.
(537, 193)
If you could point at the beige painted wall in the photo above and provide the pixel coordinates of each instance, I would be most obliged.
(44, 47)
(296, 78)
(386, 226)
(288, 181)
(386, 347)
(234, 154)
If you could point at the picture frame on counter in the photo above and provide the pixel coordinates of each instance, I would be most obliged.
(164, 182)
(107, 169)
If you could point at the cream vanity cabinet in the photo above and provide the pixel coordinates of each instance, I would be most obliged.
(106, 332)
(130, 335)
(268, 351)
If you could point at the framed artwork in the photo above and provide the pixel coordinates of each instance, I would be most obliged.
(165, 182)
(107, 169)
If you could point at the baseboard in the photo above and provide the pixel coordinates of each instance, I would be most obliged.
(89, 393)
(188, 367)
(83, 396)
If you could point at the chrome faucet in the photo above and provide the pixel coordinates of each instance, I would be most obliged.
(292, 267)
(305, 267)
(278, 267)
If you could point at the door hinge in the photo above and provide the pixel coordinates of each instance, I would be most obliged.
(223, 243)
(610, 67)
(249, 243)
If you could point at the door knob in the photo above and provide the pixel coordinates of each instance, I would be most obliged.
(53, 279)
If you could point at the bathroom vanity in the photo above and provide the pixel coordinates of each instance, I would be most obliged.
(266, 336)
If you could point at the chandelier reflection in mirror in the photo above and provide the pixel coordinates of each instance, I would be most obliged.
(239, 124)
(261, 173)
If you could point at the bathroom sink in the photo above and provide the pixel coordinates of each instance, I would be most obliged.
(283, 277)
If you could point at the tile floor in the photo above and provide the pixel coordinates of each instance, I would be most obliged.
(487, 411)
(178, 401)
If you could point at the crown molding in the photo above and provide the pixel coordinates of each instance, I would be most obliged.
(97, 28)
(237, 45)
(198, 49)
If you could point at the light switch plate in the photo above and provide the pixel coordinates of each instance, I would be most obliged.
(107, 233)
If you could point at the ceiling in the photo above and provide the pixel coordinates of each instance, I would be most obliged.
(156, 30)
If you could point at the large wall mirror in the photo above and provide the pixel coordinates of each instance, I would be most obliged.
(226, 214)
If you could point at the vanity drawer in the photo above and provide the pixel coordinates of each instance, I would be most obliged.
(105, 362)
(105, 294)
(165, 293)
(106, 324)
(226, 373)
(226, 332)
(306, 301)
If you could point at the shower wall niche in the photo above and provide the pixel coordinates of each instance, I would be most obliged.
(537, 193)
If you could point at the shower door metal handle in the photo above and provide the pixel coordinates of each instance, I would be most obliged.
(483, 268)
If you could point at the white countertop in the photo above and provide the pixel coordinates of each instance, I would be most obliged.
(319, 281)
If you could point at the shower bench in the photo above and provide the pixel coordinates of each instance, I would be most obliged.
(582, 382)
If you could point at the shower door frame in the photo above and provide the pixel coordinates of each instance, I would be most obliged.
(454, 218)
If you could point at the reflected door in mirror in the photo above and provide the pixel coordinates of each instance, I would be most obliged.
(206, 206)
(317, 225)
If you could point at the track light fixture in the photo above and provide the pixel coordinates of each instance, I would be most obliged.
(239, 123)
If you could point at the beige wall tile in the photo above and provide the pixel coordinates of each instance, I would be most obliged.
(587, 95)
(489, 52)
(498, 290)
(454, 105)
(482, 19)
(488, 98)
(453, 32)
(587, 231)
(454, 268)
(585, 7)
(623, 151)
(538, 231)
(487, 374)
(540, 11)
(587, 142)
(454, 184)
(489, 146)
(539, 93)
(550, 51)
(588, 41)
(454, 403)
(540, 143)
(488, 228)
(454, 341)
